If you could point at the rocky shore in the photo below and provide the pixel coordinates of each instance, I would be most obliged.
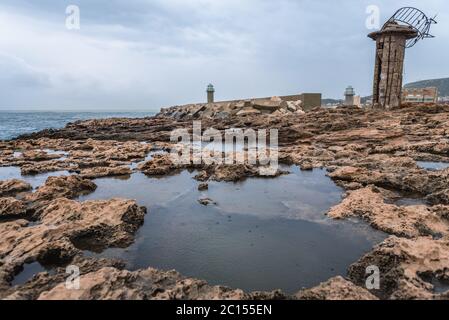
(372, 154)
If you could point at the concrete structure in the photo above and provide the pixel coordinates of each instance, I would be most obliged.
(210, 93)
(421, 95)
(389, 65)
(349, 96)
(358, 101)
(309, 100)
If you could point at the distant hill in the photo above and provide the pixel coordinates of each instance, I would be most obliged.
(441, 84)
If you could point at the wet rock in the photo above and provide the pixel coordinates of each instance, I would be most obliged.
(38, 155)
(336, 288)
(402, 263)
(161, 164)
(64, 186)
(65, 226)
(207, 201)
(100, 172)
(13, 187)
(46, 166)
(202, 176)
(410, 221)
(149, 284)
(10, 207)
(235, 172)
(203, 186)
(45, 281)
(396, 175)
(439, 197)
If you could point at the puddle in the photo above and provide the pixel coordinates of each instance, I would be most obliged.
(435, 166)
(29, 270)
(149, 156)
(439, 285)
(7, 173)
(302, 194)
(264, 234)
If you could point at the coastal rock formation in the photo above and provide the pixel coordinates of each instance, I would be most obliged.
(336, 288)
(432, 184)
(372, 154)
(13, 187)
(10, 207)
(63, 186)
(405, 221)
(160, 165)
(38, 155)
(47, 280)
(56, 187)
(149, 284)
(408, 267)
(206, 201)
(46, 166)
(66, 226)
(100, 172)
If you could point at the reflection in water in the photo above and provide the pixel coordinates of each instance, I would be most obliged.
(29, 270)
(263, 234)
(7, 173)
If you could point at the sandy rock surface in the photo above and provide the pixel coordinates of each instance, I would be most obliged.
(372, 154)
(13, 187)
(336, 288)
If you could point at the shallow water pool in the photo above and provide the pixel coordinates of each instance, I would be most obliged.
(263, 234)
(433, 165)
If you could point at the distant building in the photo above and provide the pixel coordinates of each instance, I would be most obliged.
(420, 95)
(358, 101)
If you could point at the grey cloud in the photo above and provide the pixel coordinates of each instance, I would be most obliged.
(162, 52)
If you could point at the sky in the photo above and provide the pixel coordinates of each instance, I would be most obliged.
(147, 54)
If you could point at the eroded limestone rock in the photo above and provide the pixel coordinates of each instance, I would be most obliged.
(336, 288)
(13, 187)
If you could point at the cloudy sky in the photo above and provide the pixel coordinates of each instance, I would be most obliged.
(144, 54)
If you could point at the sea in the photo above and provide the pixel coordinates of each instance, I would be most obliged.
(14, 124)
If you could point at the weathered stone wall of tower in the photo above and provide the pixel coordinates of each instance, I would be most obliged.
(389, 64)
(389, 69)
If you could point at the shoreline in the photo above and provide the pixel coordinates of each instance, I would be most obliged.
(371, 154)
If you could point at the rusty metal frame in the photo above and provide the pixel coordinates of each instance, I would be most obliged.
(416, 19)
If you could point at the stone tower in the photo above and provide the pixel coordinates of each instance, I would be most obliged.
(389, 65)
(210, 93)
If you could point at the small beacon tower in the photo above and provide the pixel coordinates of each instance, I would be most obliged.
(210, 93)
(349, 96)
